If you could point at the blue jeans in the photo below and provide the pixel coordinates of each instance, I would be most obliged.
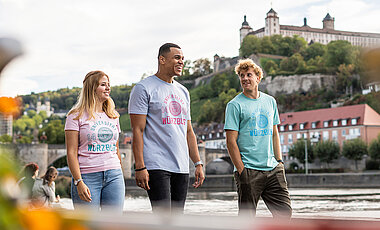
(167, 190)
(107, 190)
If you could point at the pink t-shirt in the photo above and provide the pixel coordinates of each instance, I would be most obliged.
(97, 142)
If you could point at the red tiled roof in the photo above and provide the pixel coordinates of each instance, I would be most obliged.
(366, 115)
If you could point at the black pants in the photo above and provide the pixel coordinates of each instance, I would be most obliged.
(167, 190)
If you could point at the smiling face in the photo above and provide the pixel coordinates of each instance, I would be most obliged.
(103, 91)
(172, 62)
(249, 81)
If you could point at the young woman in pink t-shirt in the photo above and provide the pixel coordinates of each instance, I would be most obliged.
(92, 134)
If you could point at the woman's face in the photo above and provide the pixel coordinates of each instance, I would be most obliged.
(103, 91)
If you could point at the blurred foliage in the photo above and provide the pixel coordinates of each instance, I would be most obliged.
(297, 150)
(327, 151)
(125, 122)
(63, 186)
(374, 149)
(354, 150)
(10, 216)
(5, 139)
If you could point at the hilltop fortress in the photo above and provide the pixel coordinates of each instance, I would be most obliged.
(311, 35)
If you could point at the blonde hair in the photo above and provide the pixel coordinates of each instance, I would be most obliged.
(87, 98)
(245, 64)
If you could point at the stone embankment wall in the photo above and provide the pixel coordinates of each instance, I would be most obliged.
(296, 83)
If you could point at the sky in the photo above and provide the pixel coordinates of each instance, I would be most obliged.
(64, 40)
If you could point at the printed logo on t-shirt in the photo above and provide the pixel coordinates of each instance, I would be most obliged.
(104, 131)
(174, 110)
(105, 134)
(258, 125)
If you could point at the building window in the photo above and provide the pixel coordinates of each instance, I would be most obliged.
(290, 138)
(217, 135)
(203, 137)
(298, 136)
(210, 135)
(325, 135)
(344, 122)
(314, 125)
(282, 128)
(282, 139)
(302, 126)
(353, 121)
(335, 135)
(343, 132)
(304, 135)
(357, 132)
(325, 124)
(335, 123)
(290, 127)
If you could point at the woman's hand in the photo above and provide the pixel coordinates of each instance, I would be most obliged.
(84, 192)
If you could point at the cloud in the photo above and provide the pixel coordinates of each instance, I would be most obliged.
(63, 40)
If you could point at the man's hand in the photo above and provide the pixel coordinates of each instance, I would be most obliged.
(84, 192)
(199, 176)
(142, 179)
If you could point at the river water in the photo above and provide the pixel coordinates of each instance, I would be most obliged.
(346, 203)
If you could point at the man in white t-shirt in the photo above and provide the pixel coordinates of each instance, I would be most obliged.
(163, 138)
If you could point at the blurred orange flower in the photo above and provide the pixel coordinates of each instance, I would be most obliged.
(10, 106)
(42, 219)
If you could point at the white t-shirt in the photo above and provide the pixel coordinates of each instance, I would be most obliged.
(167, 107)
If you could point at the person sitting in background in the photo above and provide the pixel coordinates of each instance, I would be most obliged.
(43, 193)
(29, 174)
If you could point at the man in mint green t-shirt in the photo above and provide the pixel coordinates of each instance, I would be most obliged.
(254, 145)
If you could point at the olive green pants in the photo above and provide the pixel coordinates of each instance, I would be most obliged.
(271, 186)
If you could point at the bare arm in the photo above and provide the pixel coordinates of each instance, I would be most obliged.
(276, 144)
(194, 155)
(138, 123)
(118, 151)
(233, 149)
(73, 163)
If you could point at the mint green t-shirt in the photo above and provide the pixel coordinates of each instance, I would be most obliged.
(254, 120)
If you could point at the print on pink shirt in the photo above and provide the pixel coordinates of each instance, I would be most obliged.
(105, 132)
(172, 109)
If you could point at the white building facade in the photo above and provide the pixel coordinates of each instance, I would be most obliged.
(311, 35)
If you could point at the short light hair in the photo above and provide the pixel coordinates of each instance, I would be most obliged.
(245, 64)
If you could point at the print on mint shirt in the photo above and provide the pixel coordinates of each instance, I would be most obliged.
(103, 131)
(258, 125)
(174, 110)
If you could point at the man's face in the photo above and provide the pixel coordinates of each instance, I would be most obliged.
(173, 62)
(249, 81)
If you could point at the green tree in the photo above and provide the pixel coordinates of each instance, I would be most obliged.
(345, 79)
(314, 50)
(327, 151)
(293, 64)
(54, 132)
(201, 67)
(297, 150)
(250, 45)
(266, 46)
(339, 52)
(374, 149)
(270, 67)
(354, 150)
(5, 138)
